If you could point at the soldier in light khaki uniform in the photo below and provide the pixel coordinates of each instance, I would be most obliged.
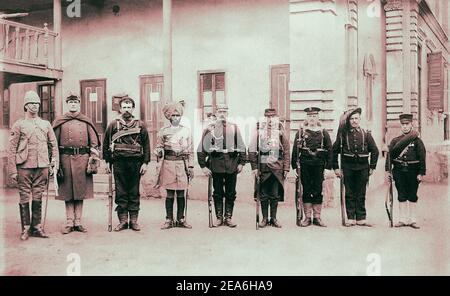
(174, 146)
(29, 159)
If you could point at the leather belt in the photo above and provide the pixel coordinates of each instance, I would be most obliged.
(173, 153)
(356, 155)
(174, 157)
(74, 150)
(405, 163)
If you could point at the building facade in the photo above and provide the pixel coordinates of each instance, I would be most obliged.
(387, 57)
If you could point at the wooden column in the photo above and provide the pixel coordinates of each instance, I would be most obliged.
(58, 55)
(167, 52)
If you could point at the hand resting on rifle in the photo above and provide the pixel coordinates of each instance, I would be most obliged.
(207, 171)
(338, 173)
(143, 168)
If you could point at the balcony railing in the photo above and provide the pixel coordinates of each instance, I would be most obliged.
(24, 44)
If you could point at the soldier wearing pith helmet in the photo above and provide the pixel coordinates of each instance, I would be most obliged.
(32, 155)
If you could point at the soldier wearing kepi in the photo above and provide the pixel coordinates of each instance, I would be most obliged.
(29, 160)
(174, 147)
(313, 149)
(359, 155)
(79, 159)
(274, 157)
(407, 158)
(126, 147)
(222, 154)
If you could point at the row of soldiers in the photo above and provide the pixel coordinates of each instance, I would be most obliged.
(69, 149)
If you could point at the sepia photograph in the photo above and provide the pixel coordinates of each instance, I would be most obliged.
(224, 138)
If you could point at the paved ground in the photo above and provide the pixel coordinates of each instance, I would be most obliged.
(223, 251)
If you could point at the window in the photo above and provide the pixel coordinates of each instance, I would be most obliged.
(47, 94)
(435, 63)
(369, 74)
(212, 92)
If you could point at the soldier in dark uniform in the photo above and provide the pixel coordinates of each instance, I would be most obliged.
(272, 151)
(126, 147)
(359, 160)
(222, 154)
(313, 149)
(407, 158)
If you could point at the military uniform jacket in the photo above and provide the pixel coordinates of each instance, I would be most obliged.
(314, 147)
(414, 156)
(358, 148)
(141, 138)
(273, 149)
(221, 148)
(32, 144)
(75, 130)
(176, 141)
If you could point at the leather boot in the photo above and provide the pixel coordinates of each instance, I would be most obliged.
(167, 224)
(70, 217)
(36, 216)
(183, 224)
(317, 209)
(265, 213)
(169, 214)
(133, 221)
(307, 207)
(25, 220)
(218, 206)
(229, 214)
(78, 210)
(123, 220)
(273, 214)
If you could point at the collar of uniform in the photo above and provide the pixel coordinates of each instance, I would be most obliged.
(356, 129)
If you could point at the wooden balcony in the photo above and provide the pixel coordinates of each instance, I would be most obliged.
(27, 53)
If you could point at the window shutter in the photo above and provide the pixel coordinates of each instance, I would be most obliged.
(435, 81)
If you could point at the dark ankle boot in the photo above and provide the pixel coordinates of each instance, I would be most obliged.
(133, 221)
(123, 220)
(265, 213)
(317, 209)
(218, 207)
(229, 205)
(167, 224)
(25, 220)
(273, 214)
(307, 207)
(36, 216)
(183, 224)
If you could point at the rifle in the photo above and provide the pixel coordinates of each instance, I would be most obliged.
(46, 201)
(186, 192)
(258, 176)
(210, 201)
(110, 198)
(299, 189)
(389, 201)
(341, 184)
